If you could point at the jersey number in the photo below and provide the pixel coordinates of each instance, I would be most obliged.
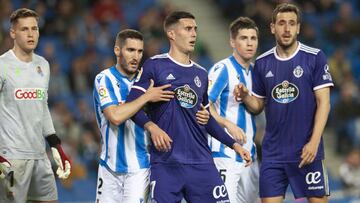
(223, 174)
(100, 185)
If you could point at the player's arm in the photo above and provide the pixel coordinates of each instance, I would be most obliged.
(254, 104)
(216, 131)
(309, 151)
(118, 114)
(160, 138)
(203, 115)
(234, 130)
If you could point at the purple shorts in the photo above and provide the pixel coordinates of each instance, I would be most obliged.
(309, 181)
(197, 183)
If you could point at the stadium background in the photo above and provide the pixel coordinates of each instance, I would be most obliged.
(77, 38)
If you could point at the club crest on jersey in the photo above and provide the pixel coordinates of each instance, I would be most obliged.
(298, 71)
(285, 92)
(38, 69)
(186, 96)
(197, 81)
(327, 75)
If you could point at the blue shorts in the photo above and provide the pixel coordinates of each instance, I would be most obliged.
(309, 181)
(197, 183)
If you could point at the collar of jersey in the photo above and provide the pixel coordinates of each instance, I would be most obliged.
(118, 75)
(178, 63)
(290, 57)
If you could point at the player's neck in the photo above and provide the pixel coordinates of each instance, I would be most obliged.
(22, 55)
(130, 76)
(179, 56)
(285, 52)
(244, 63)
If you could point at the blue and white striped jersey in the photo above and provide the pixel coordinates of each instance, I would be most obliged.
(223, 77)
(123, 147)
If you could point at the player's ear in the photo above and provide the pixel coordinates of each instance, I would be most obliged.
(272, 28)
(232, 43)
(171, 34)
(117, 50)
(12, 33)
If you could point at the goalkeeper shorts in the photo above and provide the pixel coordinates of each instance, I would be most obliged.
(33, 180)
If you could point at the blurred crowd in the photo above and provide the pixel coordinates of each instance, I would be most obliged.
(77, 38)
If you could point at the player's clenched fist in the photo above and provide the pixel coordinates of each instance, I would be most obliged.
(5, 167)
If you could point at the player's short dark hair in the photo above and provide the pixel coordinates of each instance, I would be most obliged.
(174, 18)
(22, 13)
(286, 7)
(242, 23)
(126, 34)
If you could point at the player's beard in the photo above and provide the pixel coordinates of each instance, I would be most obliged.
(286, 46)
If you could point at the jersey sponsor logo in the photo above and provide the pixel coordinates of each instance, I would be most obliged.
(327, 75)
(313, 177)
(197, 81)
(170, 77)
(298, 71)
(219, 191)
(285, 92)
(269, 74)
(186, 96)
(103, 93)
(29, 94)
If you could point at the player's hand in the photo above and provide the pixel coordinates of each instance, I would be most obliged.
(245, 155)
(240, 92)
(237, 133)
(157, 94)
(202, 116)
(308, 154)
(5, 167)
(62, 161)
(160, 138)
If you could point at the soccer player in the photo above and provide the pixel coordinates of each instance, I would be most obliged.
(295, 82)
(242, 182)
(181, 162)
(123, 174)
(25, 121)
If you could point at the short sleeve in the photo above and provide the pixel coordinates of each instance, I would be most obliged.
(104, 91)
(321, 74)
(218, 80)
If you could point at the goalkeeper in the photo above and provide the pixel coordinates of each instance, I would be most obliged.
(25, 121)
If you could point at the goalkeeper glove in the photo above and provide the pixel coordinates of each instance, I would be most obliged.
(61, 160)
(5, 167)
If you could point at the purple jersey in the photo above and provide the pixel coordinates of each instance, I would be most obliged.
(288, 85)
(177, 117)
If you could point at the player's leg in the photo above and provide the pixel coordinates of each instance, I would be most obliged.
(42, 185)
(230, 174)
(248, 186)
(310, 181)
(16, 190)
(166, 183)
(323, 199)
(273, 182)
(109, 186)
(136, 186)
(204, 184)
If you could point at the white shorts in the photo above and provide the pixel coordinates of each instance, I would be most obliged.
(242, 183)
(122, 187)
(33, 180)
